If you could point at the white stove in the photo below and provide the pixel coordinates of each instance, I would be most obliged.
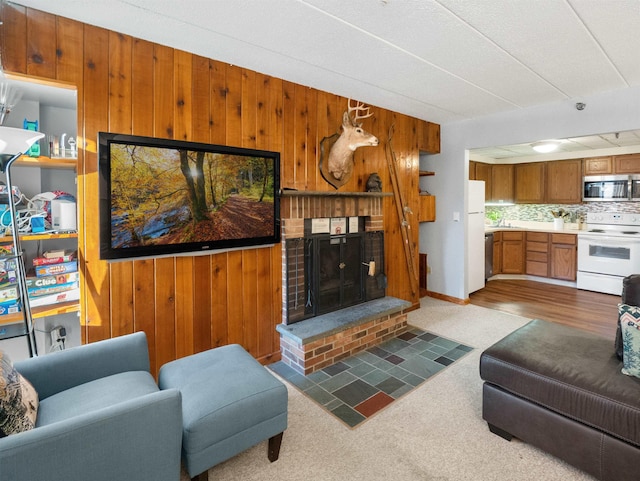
(612, 224)
(608, 251)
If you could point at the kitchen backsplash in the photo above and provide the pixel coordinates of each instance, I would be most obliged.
(542, 212)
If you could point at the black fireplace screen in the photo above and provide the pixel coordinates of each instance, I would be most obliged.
(329, 272)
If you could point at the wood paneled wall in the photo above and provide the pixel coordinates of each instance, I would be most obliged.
(128, 85)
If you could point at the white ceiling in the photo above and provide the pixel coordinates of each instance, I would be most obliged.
(438, 60)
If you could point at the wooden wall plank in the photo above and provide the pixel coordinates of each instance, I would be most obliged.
(202, 304)
(183, 78)
(163, 93)
(142, 88)
(288, 153)
(249, 109)
(218, 82)
(235, 301)
(201, 121)
(250, 291)
(14, 37)
(120, 273)
(144, 310)
(184, 306)
(69, 52)
(219, 300)
(96, 110)
(201, 132)
(275, 124)
(189, 304)
(233, 106)
(41, 51)
(142, 97)
(165, 309)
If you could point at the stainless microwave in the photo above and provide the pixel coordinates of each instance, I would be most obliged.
(607, 188)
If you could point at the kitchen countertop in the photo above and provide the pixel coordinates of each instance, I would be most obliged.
(515, 225)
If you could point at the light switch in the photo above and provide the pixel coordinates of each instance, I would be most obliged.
(456, 216)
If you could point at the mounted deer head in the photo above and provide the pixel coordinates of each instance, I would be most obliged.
(340, 162)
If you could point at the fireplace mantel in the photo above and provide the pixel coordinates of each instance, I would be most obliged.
(318, 193)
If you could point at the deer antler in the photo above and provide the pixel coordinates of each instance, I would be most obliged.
(359, 107)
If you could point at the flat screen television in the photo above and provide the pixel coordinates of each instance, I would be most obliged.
(169, 197)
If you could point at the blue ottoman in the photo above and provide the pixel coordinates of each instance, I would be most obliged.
(230, 402)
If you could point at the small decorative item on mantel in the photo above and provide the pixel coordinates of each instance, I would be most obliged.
(559, 217)
(374, 183)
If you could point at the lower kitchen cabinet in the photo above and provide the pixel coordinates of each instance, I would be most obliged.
(540, 254)
(513, 252)
(497, 253)
(537, 254)
(564, 256)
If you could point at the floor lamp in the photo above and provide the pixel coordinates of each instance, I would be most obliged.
(14, 143)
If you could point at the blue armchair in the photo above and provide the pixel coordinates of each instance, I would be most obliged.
(101, 417)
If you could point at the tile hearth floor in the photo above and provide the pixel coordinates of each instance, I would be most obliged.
(359, 386)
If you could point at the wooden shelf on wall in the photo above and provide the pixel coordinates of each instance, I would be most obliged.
(47, 162)
(427, 212)
(42, 311)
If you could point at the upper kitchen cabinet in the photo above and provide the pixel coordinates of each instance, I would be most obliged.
(483, 172)
(429, 137)
(598, 166)
(502, 183)
(564, 182)
(472, 170)
(529, 183)
(626, 164)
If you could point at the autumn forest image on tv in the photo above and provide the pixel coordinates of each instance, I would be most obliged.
(162, 196)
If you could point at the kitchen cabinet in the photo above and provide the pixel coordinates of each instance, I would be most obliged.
(563, 256)
(626, 164)
(429, 137)
(502, 183)
(427, 208)
(497, 253)
(512, 252)
(483, 172)
(564, 182)
(598, 166)
(472, 170)
(529, 183)
(537, 254)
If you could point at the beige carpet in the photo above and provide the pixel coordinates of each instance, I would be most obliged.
(435, 433)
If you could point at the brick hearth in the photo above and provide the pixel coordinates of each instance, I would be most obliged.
(316, 343)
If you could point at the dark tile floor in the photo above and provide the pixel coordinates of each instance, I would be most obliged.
(358, 387)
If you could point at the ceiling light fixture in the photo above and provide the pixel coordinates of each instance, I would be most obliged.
(545, 146)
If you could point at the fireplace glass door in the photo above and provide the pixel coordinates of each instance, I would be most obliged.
(337, 280)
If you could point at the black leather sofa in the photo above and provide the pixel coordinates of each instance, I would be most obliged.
(560, 389)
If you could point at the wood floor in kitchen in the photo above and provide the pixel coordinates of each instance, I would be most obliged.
(587, 310)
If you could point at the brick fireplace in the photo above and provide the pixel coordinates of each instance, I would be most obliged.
(319, 329)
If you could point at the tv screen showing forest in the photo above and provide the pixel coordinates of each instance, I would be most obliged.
(163, 197)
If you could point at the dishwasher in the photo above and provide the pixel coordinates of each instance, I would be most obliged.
(488, 255)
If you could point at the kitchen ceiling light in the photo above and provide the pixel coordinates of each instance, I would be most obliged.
(545, 146)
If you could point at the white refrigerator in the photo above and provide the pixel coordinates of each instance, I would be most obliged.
(475, 236)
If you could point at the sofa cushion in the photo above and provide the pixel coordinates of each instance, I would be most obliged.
(95, 395)
(569, 371)
(18, 400)
(629, 318)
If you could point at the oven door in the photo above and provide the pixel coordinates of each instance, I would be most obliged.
(610, 255)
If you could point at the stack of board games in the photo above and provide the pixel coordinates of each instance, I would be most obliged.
(9, 299)
(56, 278)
